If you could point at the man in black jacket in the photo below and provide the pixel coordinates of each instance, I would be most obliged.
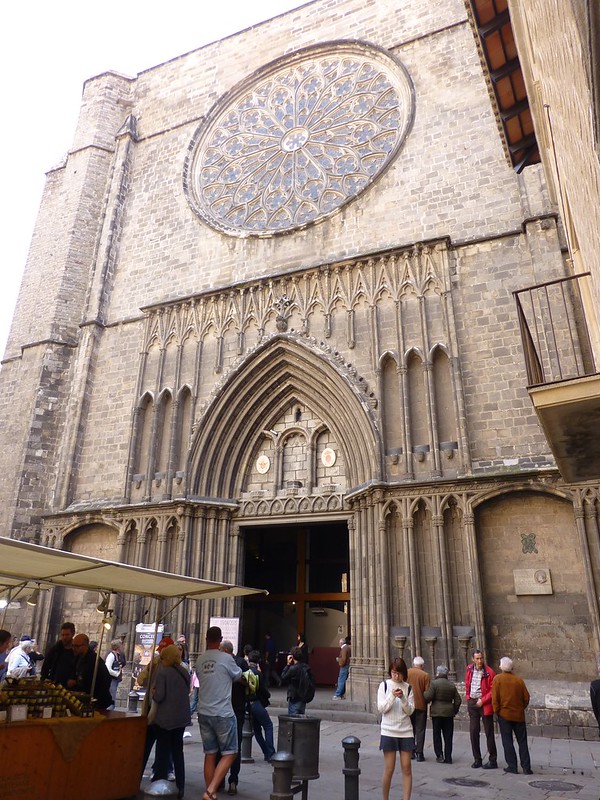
(85, 661)
(59, 663)
(261, 721)
(292, 677)
(238, 701)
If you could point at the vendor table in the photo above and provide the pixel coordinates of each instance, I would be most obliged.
(96, 758)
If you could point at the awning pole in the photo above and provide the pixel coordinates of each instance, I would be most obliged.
(146, 706)
(98, 651)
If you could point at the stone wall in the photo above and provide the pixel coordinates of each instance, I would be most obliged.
(153, 358)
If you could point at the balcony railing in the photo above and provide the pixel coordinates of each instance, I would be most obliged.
(554, 331)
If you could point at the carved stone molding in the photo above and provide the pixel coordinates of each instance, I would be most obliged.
(292, 506)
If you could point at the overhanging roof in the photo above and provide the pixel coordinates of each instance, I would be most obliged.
(27, 566)
(494, 34)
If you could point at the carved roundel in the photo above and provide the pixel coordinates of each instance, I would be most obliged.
(299, 139)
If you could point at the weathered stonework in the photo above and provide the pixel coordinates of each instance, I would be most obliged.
(163, 359)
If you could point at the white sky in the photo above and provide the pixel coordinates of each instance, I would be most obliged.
(48, 50)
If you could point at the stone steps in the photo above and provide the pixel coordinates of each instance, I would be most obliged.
(324, 707)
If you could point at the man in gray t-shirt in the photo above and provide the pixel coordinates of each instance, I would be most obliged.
(216, 672)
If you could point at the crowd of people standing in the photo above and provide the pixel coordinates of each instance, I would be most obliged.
(403, 701)
(222, 687)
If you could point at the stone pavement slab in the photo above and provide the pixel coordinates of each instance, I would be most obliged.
(562, 769)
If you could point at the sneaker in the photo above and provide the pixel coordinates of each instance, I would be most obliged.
(420, 757)
(527, 772)
(336, 697)
(510, 770)
(440, 759)
(171, 776)
(490, 765)
(187, 735)
(477, 764)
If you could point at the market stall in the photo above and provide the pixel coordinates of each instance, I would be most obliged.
(98, 757)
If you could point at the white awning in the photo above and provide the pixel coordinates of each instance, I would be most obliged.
(26, 566)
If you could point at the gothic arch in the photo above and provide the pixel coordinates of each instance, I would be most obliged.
(390, 507)
(279, 372)
(528, 528)
(540, 488)
(447, 500)
(391, 355)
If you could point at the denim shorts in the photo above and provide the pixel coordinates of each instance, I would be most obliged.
(219, 734)
(394, 743)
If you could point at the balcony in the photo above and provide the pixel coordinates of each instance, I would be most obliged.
(563, 381)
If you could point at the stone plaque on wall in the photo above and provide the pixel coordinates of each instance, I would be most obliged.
(532, 581)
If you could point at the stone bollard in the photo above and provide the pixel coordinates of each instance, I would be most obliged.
(283, 769)
(351, 769)
(247, 734)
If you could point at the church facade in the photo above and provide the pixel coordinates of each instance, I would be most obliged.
(266, 335)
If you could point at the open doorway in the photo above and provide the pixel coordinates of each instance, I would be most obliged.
(306, 570)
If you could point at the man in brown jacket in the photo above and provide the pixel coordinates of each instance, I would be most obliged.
(419, 680)
(510, 698)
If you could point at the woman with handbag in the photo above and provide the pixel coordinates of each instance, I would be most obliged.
(171, 711)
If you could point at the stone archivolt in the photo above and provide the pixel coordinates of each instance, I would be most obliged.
(288, 339)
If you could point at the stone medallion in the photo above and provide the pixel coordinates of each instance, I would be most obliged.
(299, 139)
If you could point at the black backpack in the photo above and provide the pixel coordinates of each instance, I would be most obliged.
(306, 684)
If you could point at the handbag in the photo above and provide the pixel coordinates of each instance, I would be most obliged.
(152, 713)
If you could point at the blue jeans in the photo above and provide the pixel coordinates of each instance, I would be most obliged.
(296, 708)
(234, 772)
(262, 721)
(342, 678)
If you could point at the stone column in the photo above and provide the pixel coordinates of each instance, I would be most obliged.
(196, 538)
(210, 553)
(436, 471)
(368, 655)
(590, 588)
(473, 558)
(458, 395)
(383, 577)
(175, 428)
(410, 572)
(446, 609)
(183, 610)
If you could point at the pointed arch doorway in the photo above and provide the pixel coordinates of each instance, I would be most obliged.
(306, 569)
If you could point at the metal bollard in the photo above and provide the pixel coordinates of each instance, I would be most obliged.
(247, 734)
(132, 704)
(283, 769)
(351, 769)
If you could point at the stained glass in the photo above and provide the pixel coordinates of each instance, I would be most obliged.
(298, 140)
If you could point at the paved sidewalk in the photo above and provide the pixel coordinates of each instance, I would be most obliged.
(562, 769)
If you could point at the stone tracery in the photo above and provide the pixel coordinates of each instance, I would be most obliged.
(299, 140)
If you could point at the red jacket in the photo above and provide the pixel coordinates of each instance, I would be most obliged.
(486, 687)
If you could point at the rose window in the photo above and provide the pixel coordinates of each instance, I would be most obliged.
(299, 139)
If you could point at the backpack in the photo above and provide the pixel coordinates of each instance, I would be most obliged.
(306, 684)
(251, 683)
